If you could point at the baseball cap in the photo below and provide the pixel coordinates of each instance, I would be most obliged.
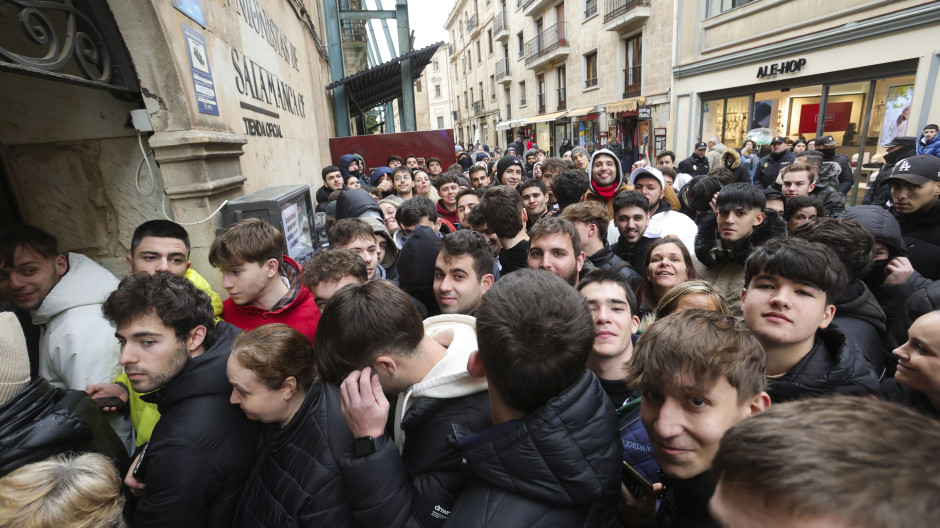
(778, 139)
(701, 145)
(651, 172)
(825, 141)
(917, 169)
(901, 141)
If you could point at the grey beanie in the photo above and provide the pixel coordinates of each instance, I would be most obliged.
(14, 359)
(582, 150)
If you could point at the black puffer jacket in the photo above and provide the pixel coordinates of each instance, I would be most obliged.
(635, 255)
(694, 165)
(833, 366)
(922, 236)
(557, 467)
(861, 319)
(201, 449)
(846, 176)
(685, 503)
(606, 259)
(731, 160)
(769, 167)
(295, 480)
(421, 485)
(42, 421)
(354, 203)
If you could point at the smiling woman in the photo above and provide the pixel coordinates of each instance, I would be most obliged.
(668, 263)
(917, 381)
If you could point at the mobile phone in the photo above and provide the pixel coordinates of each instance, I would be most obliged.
(635, 483)
(140, 467)
(109, 401)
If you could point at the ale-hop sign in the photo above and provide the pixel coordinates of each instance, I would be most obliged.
(772, 70)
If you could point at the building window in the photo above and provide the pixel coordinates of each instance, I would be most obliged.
(590, 70)
(437, 90)
(466, 104)
(521, 40)
(482, 93)
(562, 77)
(479, 55)
(436, 65)
(522, 93)
(418, 86)
(440, 122)
(492, 87)
(716, 7)
(590, 8)
(633, 73)
(489, 41)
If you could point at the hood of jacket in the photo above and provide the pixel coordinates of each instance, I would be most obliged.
(391, 250)
(707, 244)
(566, 452)
(202, 375)
(357, 203)
(85, 283)
(416, 260)
(344, 162)
(377, 173)
(618, 180)
(831, 367)
(881, 223)
(730, 156)
(857, 301)
(829, 175)
(449, 377)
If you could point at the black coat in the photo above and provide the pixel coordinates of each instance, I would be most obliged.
(323, 198)
(42, 421)
(861, 319)
(879, 191)
(693, 165)
(606, 259)
(354, 203)
(201, 449)
(846, 176)
(833, 366)
(685, 503)
(635, 255)
(769, 167)
(922, 235)
(558, 466)
(421, 485)
(296, 480)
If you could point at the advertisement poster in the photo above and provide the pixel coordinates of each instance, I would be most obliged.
(838, 116)
(897, 112)
(202, 75)
(762, 112)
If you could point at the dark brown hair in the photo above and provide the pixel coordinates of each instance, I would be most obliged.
(275, 352)
(332, 264)
(249, 240)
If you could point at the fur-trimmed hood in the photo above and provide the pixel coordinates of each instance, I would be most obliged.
(707, 248)
(731, 154)
(829, 175)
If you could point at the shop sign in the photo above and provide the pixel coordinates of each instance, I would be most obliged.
(644, 113)
(589, 117)
(202, 74)
(772, 70)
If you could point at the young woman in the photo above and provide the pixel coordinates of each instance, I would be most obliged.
(689, 295)
(798, 146)
(916, 383)
(668, 263)
(274, 381)
(423, 186)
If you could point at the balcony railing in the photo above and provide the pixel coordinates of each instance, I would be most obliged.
(500, 23)
(541, 103)
(615, 8)
(545, 42)
(562, 100)
(477, 108)
(632, 81)
(471, 23)
(590, 83)
(522, 4)
(502, 68)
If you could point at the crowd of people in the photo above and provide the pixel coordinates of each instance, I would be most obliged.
(506, 341)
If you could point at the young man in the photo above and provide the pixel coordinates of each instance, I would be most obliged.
(725, 241)
(411, 162)
(357, 236)
(505, 215)
(394, 161)
(555, 246)
(838, 460)
(801, 209)
(463, 272)
(418, 211)
(476, 222)
(570, 187)
(263, 284)
(591, 221)
(329, 270)
(448, 187)
(478, 177)
(666, 158)
(697, 163)
(544, 403)
(915, 189)
(929, 142)
(769, 166)
(581, 159)
(606, 179)
(535, 200)
(798, 179)
(510, 171)
(404, 183)
(691, 395)
(411, 475)
(632, 216)
(435, 168)
(791, 285)
(663, 220)
(551, 168)
(775, 201)
(467, 199)
(613, 306)
(332, 181)
(172, 349)
(825, 175)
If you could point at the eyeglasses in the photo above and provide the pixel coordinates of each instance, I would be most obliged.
(402, 178)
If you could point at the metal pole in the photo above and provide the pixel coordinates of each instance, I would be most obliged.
(407, 82)
(335, 48)
(857, 175)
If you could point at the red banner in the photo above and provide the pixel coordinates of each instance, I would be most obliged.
(837, 117)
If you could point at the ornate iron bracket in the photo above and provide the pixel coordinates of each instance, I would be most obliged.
(72, 41)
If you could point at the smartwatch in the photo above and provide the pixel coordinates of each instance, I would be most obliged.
(363, 446)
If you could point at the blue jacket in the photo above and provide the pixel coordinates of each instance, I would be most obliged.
(931, 147)
(637, 447)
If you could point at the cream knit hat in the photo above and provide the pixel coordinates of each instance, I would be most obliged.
(14, 359)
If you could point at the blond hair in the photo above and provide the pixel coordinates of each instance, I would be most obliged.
(66, 491)
(670, 301)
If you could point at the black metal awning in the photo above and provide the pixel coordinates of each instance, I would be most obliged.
(381, 84)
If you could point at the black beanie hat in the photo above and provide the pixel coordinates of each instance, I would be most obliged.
(504, 163)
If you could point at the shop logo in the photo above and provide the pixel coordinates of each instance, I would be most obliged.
(775, 69)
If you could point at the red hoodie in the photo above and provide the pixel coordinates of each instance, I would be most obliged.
(443, 213)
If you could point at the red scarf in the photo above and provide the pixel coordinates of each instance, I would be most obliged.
(606, 192)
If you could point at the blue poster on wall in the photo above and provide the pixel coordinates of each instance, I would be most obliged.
(192, 9)
(202, 75)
